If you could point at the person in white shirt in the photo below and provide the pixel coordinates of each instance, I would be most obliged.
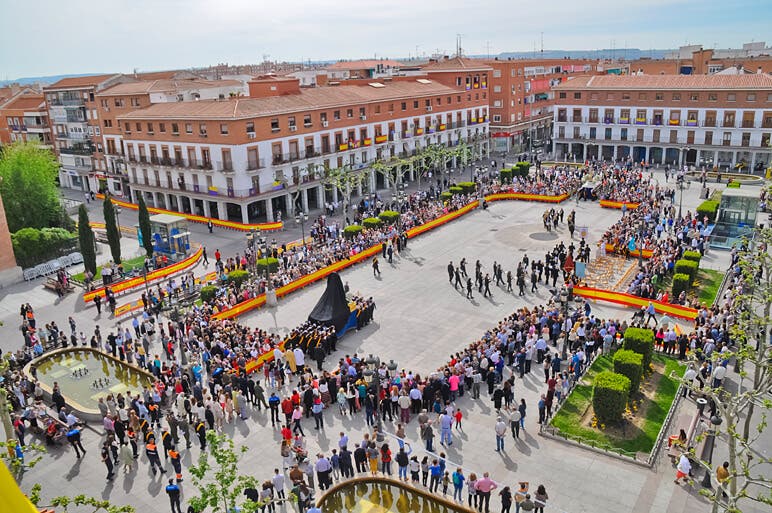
(719, 373)
(683, 469)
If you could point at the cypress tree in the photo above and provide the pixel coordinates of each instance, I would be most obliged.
(144, 227)
(86, 239)
(113, 237)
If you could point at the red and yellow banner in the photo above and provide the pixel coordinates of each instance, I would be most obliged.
(618, 204)
(521, 196)
(381, 139)
(202, 219)
(139, 281)
(682, 312)
(646, 253)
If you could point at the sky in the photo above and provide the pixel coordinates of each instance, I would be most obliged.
(50, 37)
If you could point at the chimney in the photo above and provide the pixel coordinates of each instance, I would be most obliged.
(759, 71)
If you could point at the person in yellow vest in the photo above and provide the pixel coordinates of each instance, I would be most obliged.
(201, 432)
(289, 356)
(167, 442)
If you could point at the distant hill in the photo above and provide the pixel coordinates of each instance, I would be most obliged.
(629, 54)
(43, 80)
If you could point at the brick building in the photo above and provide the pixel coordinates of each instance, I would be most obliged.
(714, 120)
(244, 159)
(10, 273)
(696, 60)
(24, 117)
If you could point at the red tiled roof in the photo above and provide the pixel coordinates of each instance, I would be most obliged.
(156, 86)
(457, 64)
(75, 82)
(306, 99)
(364, 64)
(25, 102)
(665, 82)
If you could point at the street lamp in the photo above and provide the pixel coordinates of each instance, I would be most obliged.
(118, 219)
(680, 185)
(301, 218)
(707, 450)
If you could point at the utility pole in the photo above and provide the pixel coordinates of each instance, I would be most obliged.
(488, 49)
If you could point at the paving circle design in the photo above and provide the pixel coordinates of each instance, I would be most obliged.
(544, 236)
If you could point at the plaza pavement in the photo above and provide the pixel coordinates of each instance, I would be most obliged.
(419, 321)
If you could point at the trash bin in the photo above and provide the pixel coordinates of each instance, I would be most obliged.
(270, 297)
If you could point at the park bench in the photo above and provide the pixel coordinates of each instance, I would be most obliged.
(54, 285)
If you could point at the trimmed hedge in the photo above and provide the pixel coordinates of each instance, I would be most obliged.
(522, 169)
(609, 396)
(506, 175)
(371, 222)
(32, 246)
(208, 292)
(630, 364)
(694, 256)
(689, 267)
(238, 276)
(733, 185)
(456, 190)
(708, 208)
(640, 340)
(680, 283)
(270, 263)
(352, 231)
(445, 195)
(468, 187)
(389, 216)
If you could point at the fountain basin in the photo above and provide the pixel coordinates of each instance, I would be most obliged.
(84, 375)
(743, 178)
(384, 495)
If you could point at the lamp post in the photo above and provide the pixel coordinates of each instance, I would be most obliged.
(680, 184)
(707, 451)
(301, 218)
(118, 219)
(373, 377)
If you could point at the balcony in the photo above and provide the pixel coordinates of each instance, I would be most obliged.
(76, 151)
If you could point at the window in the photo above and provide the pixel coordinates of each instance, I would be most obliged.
(349, 113)
(694, 97)
(428, 103)
(607, 134)
(175, 129)
(458, 81)
(202, 129)
(250, 127)
(712, 97)
(323, 117)
(162, 128)
(496, 117)
(496, 73)
(378, 109)
(751, 97)
(127, 128)
(336, 115)
(223, 128)
(361, 111)
(659, 97)
(274, 124)
(404, 105)
(708, 137)
(625, 96)
(676, 97)
(307, 120)
(118, 102)
(497, 103)
(105, 104)
(188, 128)
(561, 95)
(609, 96)
(415, 104)
(134, 102)
(497, 89)
(577, 96)
(642, 96)
(731, 97)
(150, 128)
(138, 126)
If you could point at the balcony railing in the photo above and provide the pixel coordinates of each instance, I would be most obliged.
(76, 151)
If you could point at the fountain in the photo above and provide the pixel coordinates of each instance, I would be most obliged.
(384, 495)
(84, 375)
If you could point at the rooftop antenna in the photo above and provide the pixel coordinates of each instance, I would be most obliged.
(488, 48)
(542, 44)
(458, 45)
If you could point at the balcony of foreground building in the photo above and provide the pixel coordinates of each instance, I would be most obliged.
(202, 191)
(717, 145)
(296, 156)
(77, 150)
(67, 102)
(195, 165)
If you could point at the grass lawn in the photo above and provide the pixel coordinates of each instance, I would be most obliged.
(707, 283)
(639, 439)
(128, 266)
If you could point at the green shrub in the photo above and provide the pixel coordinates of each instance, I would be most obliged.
(689, 267)
(456, 190)
(733, 185)
(506, 175)
(32, 246)
(708, 208)
(208, 293)
(238, 276)
(694, 256)
(681, 282)
(468, 187)
(371, 222)
(445, 195)
(609, 396)
(522, 169)
(389, 216)
(271, 264)
(352, 231)
(640, 340)
(630, 364)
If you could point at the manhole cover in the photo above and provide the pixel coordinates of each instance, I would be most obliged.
(494, 229)
(544, 236)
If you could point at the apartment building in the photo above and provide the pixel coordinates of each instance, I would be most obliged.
(24, 117)
(522, 101)
(263, 157)
(713, 120)
(753, 57)
(122, 98)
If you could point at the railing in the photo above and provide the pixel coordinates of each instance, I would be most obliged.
(76, 151)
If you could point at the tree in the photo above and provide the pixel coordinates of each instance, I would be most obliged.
(144, 226)
(391, 170)
(219, 485)
(463, 153)
(87, 240)
(28, 187)
(346, 179)
(113, 237)
(749, 478)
